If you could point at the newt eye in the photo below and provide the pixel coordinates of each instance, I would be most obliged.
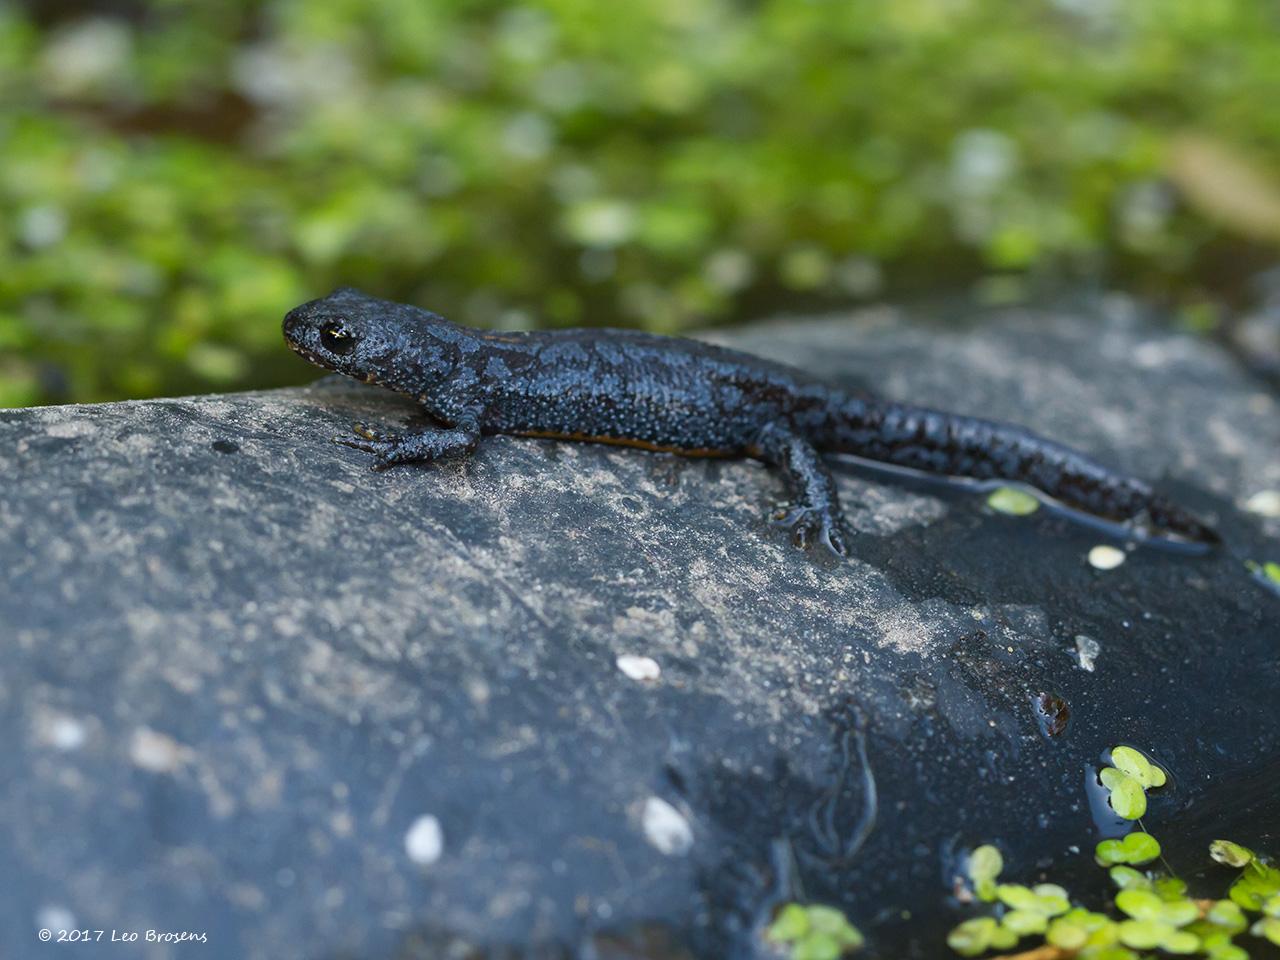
(335, 338)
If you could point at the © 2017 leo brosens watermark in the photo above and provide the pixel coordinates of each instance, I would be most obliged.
(122, 936)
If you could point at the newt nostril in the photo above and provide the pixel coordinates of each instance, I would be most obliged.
(294, 323)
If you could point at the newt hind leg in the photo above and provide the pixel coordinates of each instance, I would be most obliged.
(816, 513)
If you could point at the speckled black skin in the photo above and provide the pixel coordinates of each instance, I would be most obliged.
(621, 386)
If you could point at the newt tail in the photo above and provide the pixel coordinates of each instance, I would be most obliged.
(687, 397)
(962, 446)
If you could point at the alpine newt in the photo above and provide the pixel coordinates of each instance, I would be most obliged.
(686, 397)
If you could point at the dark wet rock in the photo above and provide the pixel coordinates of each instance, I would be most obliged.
(257, 692)
(1257, 340)
(1255, 335)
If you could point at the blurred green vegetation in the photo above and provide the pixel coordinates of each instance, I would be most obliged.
(176, 174)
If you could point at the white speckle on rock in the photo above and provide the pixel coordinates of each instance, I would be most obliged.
(424, 842)
(342, 824)
(246, 895)
(55, 917)
(1265, 503)
(286, 626)
(666, 828)
(1152, 354)
(638, 668)
(155, 751)
(1087, 650)
(1105, 557)
(68, 429)
(64, 733)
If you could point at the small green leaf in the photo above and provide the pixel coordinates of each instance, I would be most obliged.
(833, 923)
(1228, 915)
(1226, 951)
(1179, 913)
(1140, 848)
(1112, 953)
(1127, 797)
(985, 863)
(791, 923)
(1066, 934)
(1180, 941)
(1127, 878)
(1170, 889)
(1002, 938)
(1013, 501)
(1272, 907)
(1272, 571)
(1136, 764)
(1255, 886)
(1231, 854)
(1268, 927)
(1025, 922)
(1016, 896)
(1049, 890)
(1139, 904)
(1136, 848)
(972, 937)
(1157, 777)
(1108, 853)
(1092, 922)
(1051, 899)
(826, 919)
(817, 946)
(1143, 934)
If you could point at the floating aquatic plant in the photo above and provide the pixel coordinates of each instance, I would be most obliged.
(1270, 570)
(1230, 854)
(1031, 908)
(813, 932)
(985, 864)
(1128, 781)
(1151, 911)
(980, 935)
(1013, 501)
(1137, 848)
(1257, 886)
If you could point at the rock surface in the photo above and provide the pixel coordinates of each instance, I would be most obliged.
(576, 701)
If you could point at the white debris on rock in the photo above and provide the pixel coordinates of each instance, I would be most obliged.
(1266, 503)
(55, 917)
(424, 841)
(1087, 650)
(62, 732)
(156, 751)
(666, 827)
(638, 668)
(1104, 557)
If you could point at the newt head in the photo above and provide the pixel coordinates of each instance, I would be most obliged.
(393, 345)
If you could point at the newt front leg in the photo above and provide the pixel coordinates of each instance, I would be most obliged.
(422, 447)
